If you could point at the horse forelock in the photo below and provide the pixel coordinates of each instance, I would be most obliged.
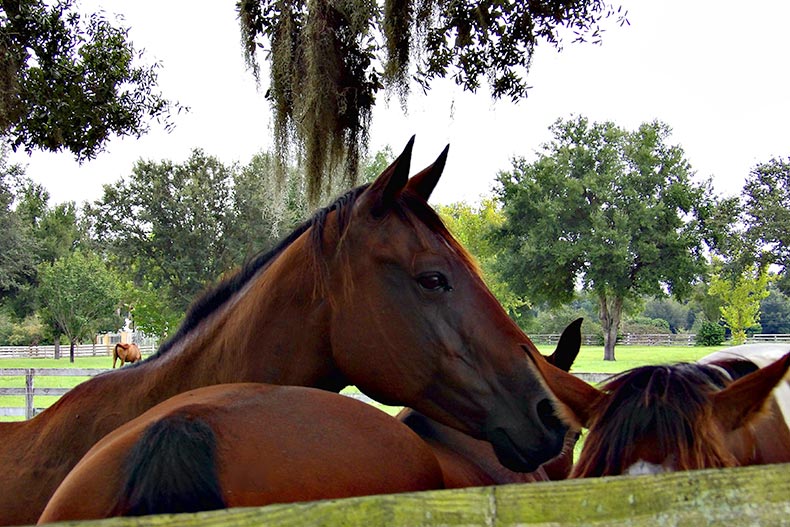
(667, 407)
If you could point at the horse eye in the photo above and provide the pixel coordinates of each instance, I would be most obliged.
(433, 282)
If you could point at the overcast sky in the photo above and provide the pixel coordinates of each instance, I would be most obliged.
(715, 71)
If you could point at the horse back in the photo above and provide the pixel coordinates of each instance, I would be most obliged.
(326, 446)
(257, 444)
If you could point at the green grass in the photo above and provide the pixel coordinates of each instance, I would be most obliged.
(590, 360)
(101, 362)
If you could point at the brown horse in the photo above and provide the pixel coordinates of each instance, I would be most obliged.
(470, 462)
(127, 353)
(241, 445)
(729, 409)
(372, 291)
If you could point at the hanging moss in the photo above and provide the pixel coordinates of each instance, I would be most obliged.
(330, 58)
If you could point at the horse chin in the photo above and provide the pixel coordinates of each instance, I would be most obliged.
(645, 467)
(520, 459)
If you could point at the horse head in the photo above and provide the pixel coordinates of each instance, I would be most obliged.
(413, 323)
(679, 417)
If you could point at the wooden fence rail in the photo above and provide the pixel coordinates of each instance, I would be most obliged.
(30, 391)
(742, 497)
(48, 351)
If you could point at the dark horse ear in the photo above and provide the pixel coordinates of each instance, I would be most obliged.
(381, 194)
(425, 181)
(568, 346)
(746, 399)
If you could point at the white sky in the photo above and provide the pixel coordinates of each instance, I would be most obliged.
(716, 71)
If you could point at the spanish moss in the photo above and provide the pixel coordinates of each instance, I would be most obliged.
(328, 60)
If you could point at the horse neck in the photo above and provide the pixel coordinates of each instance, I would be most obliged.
(274, 330)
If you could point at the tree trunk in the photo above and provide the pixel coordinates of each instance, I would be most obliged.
(609, 311)
(71, 350)
(57, 346)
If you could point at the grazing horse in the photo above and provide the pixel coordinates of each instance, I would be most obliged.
(371, 291)
(127, 353)
(470, 462)
(731, 408)
(243, 445)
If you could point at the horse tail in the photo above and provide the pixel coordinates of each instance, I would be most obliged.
(115, 355)
(172, 469)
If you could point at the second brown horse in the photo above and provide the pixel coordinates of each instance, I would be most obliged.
(127, 353)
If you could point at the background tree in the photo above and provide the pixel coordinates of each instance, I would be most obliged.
(330, 59)
(150, 312)
(611, 211)
(167, 225)
(81, 295)
(17, 255)
(71, 82)
(741, 297)
(775, 311)
(766, 197)
(677, 315)
(473, 227)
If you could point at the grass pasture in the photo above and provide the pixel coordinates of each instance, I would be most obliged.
(590, 360)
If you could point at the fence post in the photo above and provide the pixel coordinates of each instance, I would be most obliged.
(29, 409)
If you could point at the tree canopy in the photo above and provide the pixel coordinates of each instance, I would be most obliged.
(80, 295)
(766, 210)
(330, 59)
(610, 210)
(741, 299)
(69, 81)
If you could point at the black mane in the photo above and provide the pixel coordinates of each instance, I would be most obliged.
(215, 297)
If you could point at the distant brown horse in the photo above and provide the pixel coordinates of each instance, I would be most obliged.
(241, 445)
(127, 353)
(371, 291)
(728, 409)
(470, 462)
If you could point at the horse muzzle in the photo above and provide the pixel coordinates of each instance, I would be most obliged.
(523, 451)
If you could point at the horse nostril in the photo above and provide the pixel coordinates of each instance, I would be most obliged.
(547, 416)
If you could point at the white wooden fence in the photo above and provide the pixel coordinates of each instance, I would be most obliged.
(48, 351)
(658, 339)
(30, 391)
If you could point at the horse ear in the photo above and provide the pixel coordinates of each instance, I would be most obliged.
(425, 181)
(568, 346)
(577, 397)
(744, 400)
(381, 194)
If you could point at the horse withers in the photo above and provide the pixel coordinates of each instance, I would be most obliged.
(371, 291)
(127, 353)
(241, 445)
(731, 408)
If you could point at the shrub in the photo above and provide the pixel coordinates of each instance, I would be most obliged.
(710, 334)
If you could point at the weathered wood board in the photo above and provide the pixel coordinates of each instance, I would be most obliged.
(749, 496)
